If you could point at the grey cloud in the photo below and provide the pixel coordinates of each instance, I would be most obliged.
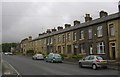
(22, 19)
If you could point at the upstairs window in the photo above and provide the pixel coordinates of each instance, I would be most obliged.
(99, 31)
(74, 36)
(63, 39)
(81, 34)
(68, 36)
(90, 34)
(59, 39)
(112, 30)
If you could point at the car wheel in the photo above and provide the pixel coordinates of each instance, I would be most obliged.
(94, 67)
(52, 61)
(80, 65)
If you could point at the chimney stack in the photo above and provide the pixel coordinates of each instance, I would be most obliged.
(39, 34)
(53, 30)
(43, 33)
(103, 14)
(88, 18)
(119, 6)
(48, 31)
(59, 28)
(30, 38)
(67, 25)
(76, 23)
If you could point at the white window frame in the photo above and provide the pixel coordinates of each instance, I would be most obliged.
(59, 40)
(63, 38)
(90, 34)
(112, 30)
(99, 45)
(75, 36)
(82, 49)
(51, 40)
(69, 37)
(100, 31)
(81, 34)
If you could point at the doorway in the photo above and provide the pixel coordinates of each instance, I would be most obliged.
(113, 50)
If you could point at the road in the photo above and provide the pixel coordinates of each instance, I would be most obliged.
(26, 66)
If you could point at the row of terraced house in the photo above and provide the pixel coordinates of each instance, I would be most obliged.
(97, 37)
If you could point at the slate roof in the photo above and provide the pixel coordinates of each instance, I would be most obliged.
(85, 24)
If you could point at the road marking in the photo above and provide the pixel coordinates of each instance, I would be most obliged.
(13, 68)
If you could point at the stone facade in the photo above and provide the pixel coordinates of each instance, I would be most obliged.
(91, 37)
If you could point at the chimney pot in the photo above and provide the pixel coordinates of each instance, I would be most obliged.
(40, 34)
(53, 30)
(67, 25)
(48, 31)
(119, 6)
(103, 14)
(76, 23)
(59, 28)
(88, 18)
(30, 38)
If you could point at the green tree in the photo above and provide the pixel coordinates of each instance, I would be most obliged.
(6, 47)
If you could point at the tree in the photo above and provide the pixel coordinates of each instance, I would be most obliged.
(6, 47)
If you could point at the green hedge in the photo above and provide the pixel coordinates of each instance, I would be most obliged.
(76, 56)
(63, 55)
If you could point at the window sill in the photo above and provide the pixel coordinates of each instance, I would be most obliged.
(101, 53)
(81, 39)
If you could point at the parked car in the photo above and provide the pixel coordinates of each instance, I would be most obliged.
(93, 61)
(54, 57)
(8, 53)
(38, 56)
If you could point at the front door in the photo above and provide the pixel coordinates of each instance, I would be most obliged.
(113, 51)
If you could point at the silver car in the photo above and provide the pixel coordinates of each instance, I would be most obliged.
(93, 61)
(38, 56)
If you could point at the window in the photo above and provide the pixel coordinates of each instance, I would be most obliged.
(69, 49)
(51, 41)
(91, 49)
(81, 34)
(99, 31)
(63, 39)
(35, 43)
(59, 49)
(68, 36)
(100, 48)
(112, 30)
(74, 36)
(82, 48)
(44, 41)
(90, 33)
(86, 58)
(47, 41)
(59, 39)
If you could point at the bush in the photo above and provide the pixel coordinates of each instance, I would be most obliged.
(63, 55)
(76, 56)
(30, 52)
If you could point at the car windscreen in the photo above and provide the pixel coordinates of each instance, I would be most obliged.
(99, 58)
(57, 55)
(39, 54)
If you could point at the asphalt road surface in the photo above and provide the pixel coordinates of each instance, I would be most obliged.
(27, 66)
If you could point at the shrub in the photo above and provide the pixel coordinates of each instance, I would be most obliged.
(76, 56)
(30, 52)
(63, 55)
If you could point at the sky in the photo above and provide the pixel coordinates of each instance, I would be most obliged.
(22, 18)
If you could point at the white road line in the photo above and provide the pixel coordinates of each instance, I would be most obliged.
(12, 68)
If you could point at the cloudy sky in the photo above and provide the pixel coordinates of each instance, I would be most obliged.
(22, 18)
